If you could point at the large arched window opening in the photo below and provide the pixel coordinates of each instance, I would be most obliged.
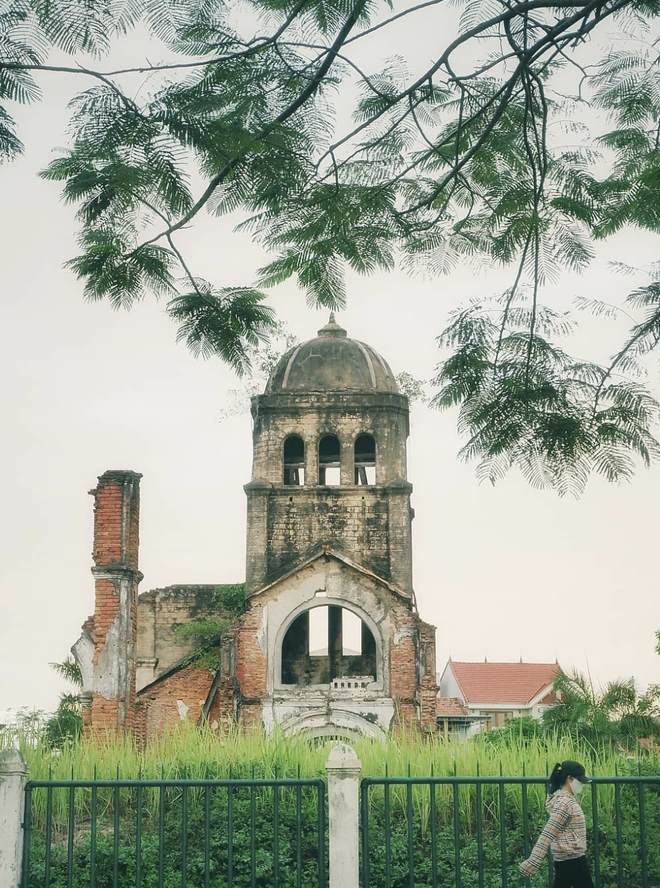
(329, 461)
(329, 645)
(294, 460)
(364, 453)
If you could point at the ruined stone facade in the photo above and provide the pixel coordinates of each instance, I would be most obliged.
(329, 640)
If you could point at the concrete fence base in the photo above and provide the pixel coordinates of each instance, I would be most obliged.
(13, 774)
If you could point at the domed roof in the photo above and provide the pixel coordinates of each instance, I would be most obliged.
(332, 363)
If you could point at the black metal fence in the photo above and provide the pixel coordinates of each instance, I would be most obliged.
(454, 832)
(472, 832)
(201, 833)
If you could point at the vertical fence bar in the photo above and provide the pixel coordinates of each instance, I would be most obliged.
(595, 837)
(184, 836)
(457, 835)
(411, 847)
(387, 823)
(230, 835)
(364, 826)
(138, 837)
(49, 834)
(525, 816)
(92, 846)
(253, 836)
(207, 833)
(619, 843)
(71, 826)
(276, 836)
(27, 836)
(321, 828)
(642, 834)
(433, 813)
(161, 834)
(115, 843)
(480, 834)
(503, 856)
(299, 835)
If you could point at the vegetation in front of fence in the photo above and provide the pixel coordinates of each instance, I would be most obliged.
(418, 827)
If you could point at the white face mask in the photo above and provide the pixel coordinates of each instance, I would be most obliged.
(576, 786)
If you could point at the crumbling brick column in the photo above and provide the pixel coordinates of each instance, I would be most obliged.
(116, 576)
(428, 689)
(251, 664)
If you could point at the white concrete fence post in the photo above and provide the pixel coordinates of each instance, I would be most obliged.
(343, 767)
(13, 774)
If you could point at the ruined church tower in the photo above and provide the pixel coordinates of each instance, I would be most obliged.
(329, 641)
(334, 639)
(329, 462)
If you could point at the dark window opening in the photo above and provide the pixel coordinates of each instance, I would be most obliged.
(328, 643)
(294, 461)
(365, 460)
(329, 461)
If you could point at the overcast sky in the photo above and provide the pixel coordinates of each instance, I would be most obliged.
(504, 572)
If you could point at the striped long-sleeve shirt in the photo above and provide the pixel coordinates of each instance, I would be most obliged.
(565, 832)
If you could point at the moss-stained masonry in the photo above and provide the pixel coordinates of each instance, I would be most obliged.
(177, 621)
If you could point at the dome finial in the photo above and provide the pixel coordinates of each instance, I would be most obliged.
(332, 328)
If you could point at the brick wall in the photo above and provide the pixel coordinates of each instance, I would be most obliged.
(250, 658)
(158, 705)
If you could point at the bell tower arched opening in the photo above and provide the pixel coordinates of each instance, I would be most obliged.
(294, 461)
(364, 451)
(329, 461)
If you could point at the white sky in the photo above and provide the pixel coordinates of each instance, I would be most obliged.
(504, 572)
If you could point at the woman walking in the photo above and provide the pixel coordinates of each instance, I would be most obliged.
(565, 833)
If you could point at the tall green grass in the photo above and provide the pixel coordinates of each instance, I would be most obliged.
(194, 751)
(187, 751)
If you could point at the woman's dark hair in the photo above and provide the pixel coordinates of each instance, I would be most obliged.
(561, 772)
(557, 778)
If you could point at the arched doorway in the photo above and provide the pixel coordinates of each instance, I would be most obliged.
(328, 645)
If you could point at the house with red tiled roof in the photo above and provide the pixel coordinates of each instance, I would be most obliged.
(491, 693)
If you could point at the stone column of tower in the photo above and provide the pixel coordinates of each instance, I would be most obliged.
(329, 463)
(116, 578)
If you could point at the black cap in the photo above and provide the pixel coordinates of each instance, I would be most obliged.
(573, 769)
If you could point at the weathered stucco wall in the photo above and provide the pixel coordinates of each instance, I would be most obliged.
(370, 523)
(329, 581)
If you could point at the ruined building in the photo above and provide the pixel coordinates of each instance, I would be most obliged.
(328, 638)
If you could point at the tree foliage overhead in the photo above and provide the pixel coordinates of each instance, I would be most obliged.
(477, 150)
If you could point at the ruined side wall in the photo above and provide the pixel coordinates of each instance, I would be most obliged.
(116, 575)
(172, 700)
(159, 612)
